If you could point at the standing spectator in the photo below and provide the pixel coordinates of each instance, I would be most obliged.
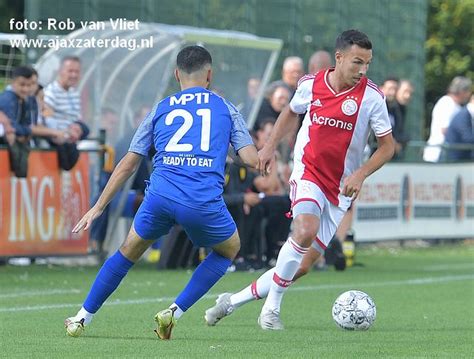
(404, 94)
(459, 92)
(63, 98)
(460, 131)
(390, 88)
(292, 71)
(319, 60)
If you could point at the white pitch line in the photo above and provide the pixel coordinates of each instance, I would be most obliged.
(415, 281)
(38, 293)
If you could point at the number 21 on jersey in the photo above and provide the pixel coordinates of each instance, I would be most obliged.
(174, 145)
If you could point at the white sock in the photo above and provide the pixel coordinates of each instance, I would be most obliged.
(84, 314)
(177, 312)
(288, 262)
(257, 290)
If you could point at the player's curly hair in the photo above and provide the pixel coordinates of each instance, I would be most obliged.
(193, 58)
(353, 37)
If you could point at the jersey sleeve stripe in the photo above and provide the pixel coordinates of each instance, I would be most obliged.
(375, 87)
(305, 77)
(383, 133)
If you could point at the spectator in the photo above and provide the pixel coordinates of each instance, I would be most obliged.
(404, 94)
(14, 104)
(459, 92)
(253, 85)
(390, 88)
(277, 97)
(292, 71)
(461, 131)
(319, 60)
(64, 100)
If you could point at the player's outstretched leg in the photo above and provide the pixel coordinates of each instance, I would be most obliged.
(108, 279)
(227, 303)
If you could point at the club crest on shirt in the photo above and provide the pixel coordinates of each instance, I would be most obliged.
(349, 107)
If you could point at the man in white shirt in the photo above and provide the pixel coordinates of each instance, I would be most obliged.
(459, 92)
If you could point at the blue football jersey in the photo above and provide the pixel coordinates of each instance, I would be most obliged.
(191, 131)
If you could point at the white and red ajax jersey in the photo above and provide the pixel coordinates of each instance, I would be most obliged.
(330, 144)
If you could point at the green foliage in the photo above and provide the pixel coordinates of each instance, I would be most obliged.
(449, 46)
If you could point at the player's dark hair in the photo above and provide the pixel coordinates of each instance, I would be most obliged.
(193, 58)
(353, 37)
(22, 71)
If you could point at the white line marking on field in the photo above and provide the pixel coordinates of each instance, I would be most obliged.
(415, 281)
(39, 293)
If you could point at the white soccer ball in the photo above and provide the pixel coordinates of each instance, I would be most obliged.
(354, 310)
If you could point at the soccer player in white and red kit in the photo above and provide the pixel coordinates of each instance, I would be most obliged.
(341, 106)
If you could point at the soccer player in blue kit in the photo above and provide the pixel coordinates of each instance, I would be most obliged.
(191, 131)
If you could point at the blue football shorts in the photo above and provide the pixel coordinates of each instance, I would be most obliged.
(205, 228)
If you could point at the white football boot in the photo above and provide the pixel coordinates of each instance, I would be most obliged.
(222, 309)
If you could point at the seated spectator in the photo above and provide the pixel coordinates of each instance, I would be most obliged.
(253, 85)
(64, 100)
(15, 106)
(14, 102)
(277, 96)
(459, 132)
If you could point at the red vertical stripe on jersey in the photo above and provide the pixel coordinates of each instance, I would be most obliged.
(330, 135)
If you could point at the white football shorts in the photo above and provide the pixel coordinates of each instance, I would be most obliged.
(307, 198)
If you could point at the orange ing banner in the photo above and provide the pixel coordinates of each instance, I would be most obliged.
(39, 212)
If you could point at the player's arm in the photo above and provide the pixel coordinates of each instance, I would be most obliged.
(249, 156)
(126, 167)
(286, 122)
(384, 152)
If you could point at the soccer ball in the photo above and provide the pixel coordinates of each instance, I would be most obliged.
(354, 310)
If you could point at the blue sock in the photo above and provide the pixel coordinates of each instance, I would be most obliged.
(211, 269)
(107, 280)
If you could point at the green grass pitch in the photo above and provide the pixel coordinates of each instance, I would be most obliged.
(424, 297)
